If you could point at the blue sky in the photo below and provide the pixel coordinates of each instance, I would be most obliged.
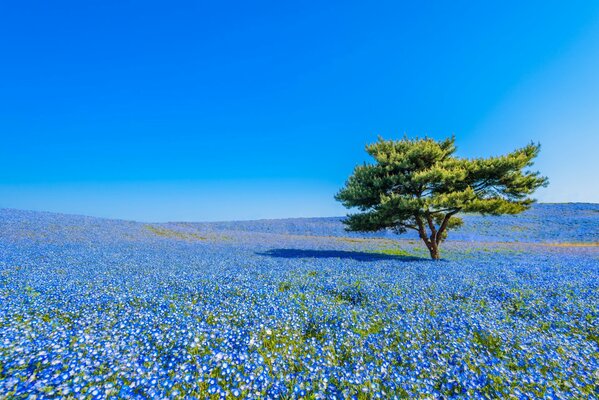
(229, 110)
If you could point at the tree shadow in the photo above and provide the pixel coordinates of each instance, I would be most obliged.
(351, 255)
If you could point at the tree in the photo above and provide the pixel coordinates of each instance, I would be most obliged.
(420, 184)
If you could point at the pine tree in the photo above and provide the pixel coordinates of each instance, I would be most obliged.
(420, 184)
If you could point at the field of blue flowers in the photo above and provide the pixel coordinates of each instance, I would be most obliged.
(94, 308)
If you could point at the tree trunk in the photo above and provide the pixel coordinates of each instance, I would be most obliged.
(434, 250)
(431, 243)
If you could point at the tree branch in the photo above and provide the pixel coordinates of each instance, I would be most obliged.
(409, 226)
(422, 231)
(431, 226)
(444, 210)
(478, 187)
(444, 225)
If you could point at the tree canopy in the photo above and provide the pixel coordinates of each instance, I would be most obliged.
(420, 184)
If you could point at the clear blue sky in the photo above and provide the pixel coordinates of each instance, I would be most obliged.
(238, 110)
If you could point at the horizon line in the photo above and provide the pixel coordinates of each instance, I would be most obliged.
(2, 209)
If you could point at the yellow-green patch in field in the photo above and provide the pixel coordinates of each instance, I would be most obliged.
(170, 233)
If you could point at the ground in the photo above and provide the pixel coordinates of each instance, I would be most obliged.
(95, 308)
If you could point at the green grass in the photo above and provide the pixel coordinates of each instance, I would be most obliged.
(393, 252)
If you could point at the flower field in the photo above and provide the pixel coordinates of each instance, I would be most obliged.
(94, 308)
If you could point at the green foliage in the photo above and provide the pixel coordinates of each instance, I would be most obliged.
(284, 286)
(420, 184)
(313, 329)
(352, 294)
(489, 342)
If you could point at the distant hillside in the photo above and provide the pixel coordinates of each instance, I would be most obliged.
(571, 222)
(575, 222)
